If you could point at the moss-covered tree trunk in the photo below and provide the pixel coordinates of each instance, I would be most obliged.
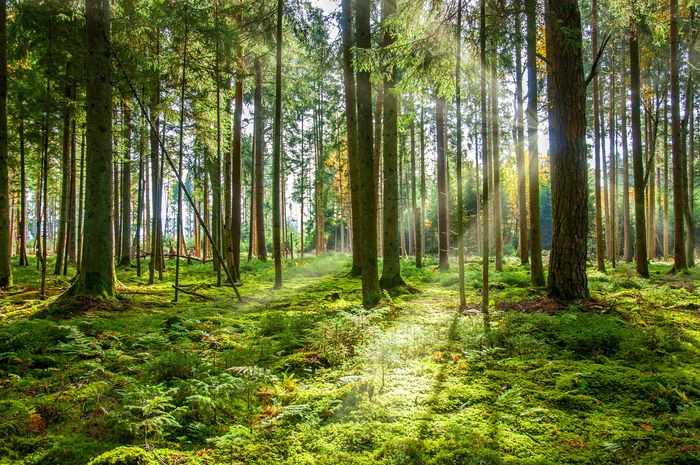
(96, 278)
(567, 146)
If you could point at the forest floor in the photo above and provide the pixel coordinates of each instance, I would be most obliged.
(306, 376)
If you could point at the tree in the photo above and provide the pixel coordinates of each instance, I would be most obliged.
(370, 282)
(679, 255)
(259, 163)
(5, 252)
(96, 278)
(485, 163)
(536, 268)
(640, 242)
(520, 140)
(460, 206)
(351, 131)
(125, 249)
(567, 145)
(276, 155)
(391, 271)
(599, 251)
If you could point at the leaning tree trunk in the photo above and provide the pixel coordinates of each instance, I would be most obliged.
(5, 268)
(640, 246)
(370, 282)
(96, 278)
(567, 145)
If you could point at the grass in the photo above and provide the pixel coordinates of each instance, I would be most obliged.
(305, 375)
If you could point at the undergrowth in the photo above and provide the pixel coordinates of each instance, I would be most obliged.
(305, 375)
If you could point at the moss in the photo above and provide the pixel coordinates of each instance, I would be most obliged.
(124, 456)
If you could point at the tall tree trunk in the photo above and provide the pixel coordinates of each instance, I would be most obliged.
(612, 251)
(626, 222)
(679, 253)
(23, 261)
(391, 271)
(460, 206)
(125, 249)
(520, 141)
(96, 278)
(423, 185)
(277, 155)
(640, 246)
(351, 129)
(259, 164)
(156, 262)
(496, 162)
(443, 220)
(417, 216)
(666, 184)
(81, 201)
(141, 193)
(536, 268)
(178, 221)
(484, 157)
(599, 248)
(370, 282)
(236, 167)
(567, 146)
(65, 175)
(5, 252)
(377, 150)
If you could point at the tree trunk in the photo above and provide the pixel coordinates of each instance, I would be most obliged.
(460, 206)
(125, 258)
(370, 282)
(23, 261)
(484, 159)
(599, 248)
(259, 164)
(236, 167)
(5, 247)
(567, 145)
(496, 162)
(640, 246)
(520, 141)
(65, 176)
(443, 221)
(351, 125)
(391, 271)
(277, 155)
(96, 278)
(536, 268)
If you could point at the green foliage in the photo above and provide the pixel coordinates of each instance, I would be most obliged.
(124, 456)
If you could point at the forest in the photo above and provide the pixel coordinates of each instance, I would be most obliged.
(392, 232)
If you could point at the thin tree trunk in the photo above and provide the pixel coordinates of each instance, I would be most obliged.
(640, 247)
(259, 164)
(520, 141)
(496, 162)
(485, 178)
(277, 155)
(5, 235)
(460, 206)
(125, 258)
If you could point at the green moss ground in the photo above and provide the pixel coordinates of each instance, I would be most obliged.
(306, 376)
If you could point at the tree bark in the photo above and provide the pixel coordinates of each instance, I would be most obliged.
(640, 246)
(520, 141)
(370, 282)
(277, 156)
(96, 278)
(599, 247)
(351, 129)
(391, 271)
(125, 249)
(485, 163)
(443, 220)
(567, 144)
(259, 163)
(5, 239)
